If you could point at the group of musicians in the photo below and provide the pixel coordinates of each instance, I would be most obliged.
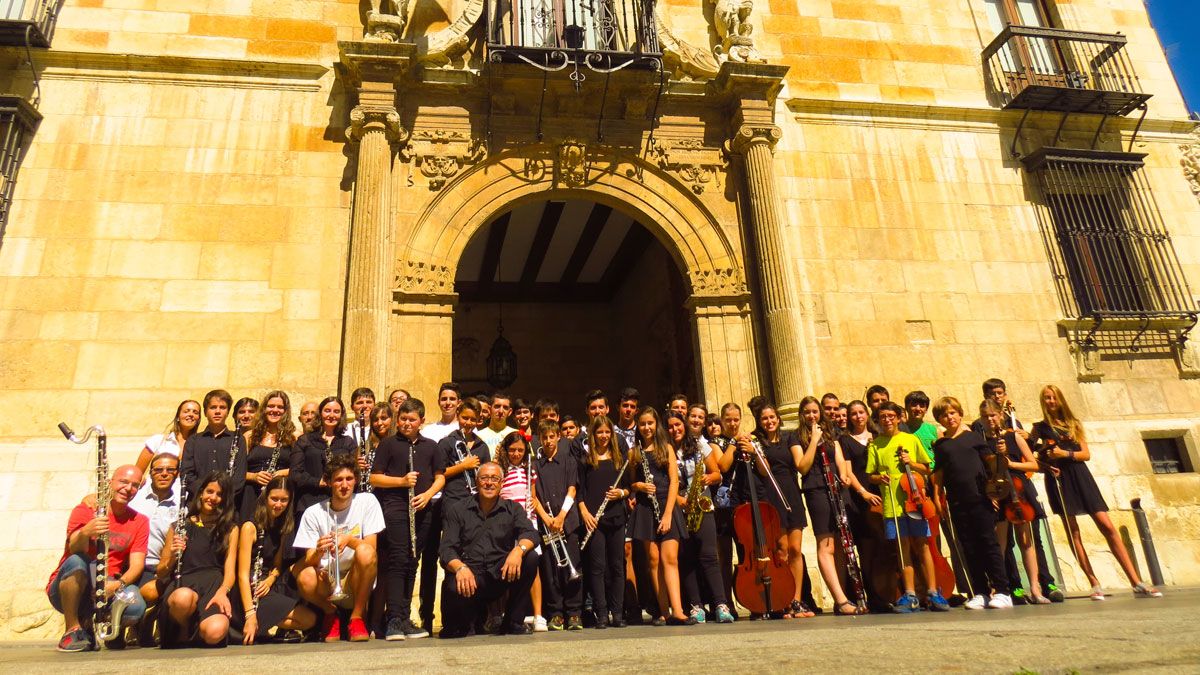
(315, 528)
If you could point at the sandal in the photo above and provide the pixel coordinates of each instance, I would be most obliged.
(837, 610)
(798, 610)
(1144, 591)
(1098, 593)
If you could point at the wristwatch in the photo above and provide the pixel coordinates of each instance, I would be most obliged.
(523, 547)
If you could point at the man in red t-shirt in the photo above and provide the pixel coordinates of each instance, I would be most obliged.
(71, 585)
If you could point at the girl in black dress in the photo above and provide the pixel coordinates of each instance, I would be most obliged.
(270, 441)
(863, 509)
(783, 454)
(198, 606)
(657, 522)
(822, 453)
(605, 552)
(313, 451)
(1060, 441)
(699, 560)
(264, 553)
(382, 424)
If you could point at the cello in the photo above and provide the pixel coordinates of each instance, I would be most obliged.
(762, 582)
(918, 506)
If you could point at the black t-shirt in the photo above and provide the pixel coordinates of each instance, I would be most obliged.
(392, 459)
(815, 478)
(449, 448)
(554, 477)
(959, 461)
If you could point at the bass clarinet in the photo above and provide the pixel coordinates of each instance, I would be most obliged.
(833, 482)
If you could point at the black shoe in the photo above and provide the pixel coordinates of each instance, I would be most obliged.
(618, 620)
(658, 621)
(411, 632)
(291, 637)
(519, 629)
(600, 624)
(689, 621)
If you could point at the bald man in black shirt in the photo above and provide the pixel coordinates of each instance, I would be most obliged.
(487, 549)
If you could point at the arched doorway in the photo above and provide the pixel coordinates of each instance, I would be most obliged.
(587, 297)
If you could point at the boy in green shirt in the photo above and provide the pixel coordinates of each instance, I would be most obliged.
(916, 404)
(887, 455)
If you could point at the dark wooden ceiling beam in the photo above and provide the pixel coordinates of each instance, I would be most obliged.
(541, 241)
(490, 263)
(635, 243)
(514, 292)
(587, 241)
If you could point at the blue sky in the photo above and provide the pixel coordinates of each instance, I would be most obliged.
(1177, 22)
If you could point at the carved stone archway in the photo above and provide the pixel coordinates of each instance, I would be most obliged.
(428, 253)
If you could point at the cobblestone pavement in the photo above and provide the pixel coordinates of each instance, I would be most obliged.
(1121, 634)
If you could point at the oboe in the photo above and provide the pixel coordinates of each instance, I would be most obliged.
(233, 448)
(650, 479)
(257, 568)
(604, 505)
(833, 482)
(365, 452)
(412, 513)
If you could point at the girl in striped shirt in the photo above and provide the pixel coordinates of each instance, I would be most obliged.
(519, 474)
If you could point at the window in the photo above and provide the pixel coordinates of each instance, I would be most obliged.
(1027, 54)
(1110, 253)
(18, 120)
(38, 16)
(1168, 455)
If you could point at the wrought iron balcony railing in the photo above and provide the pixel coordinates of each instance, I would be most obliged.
(32, 18)
(18, 121)
(604, 35)
(1035, 68)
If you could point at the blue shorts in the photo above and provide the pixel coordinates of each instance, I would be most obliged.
(78, 563)
(909, 527)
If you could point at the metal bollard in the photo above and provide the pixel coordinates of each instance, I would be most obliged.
(1143, 526)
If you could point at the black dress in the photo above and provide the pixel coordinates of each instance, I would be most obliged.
(783, 468)
(259, 459)
(815, 488)
(1078, 487)
(282, 598)
(203, 571)
(645, 524)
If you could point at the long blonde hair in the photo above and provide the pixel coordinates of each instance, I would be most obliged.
(1064, 420)
(614, 448)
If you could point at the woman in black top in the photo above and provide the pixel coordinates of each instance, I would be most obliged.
(783, 453)
(1060, 441)
(313, 451)
(270, 441)
(606, 475)
(265, 544)
(657, 522)
(697, 462)
(822, 458)
(197, 603)
(863, 509)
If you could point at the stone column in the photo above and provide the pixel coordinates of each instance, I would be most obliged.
(725, 336)
(374, 125)
(755, 142)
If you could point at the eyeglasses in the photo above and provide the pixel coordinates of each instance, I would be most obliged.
(164, 469)
(491, 480)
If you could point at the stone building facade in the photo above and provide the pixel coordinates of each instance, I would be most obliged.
(283, 193)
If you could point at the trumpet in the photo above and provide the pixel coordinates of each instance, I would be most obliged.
(108, 611)
(557, 543)
(604, 504)
(338, 593)
(460, 455)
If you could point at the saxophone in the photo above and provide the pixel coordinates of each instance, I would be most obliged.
(698, 503)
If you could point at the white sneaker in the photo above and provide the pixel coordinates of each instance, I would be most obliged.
(977, 602)
(1097, 593)
(528, 620)
(1000, 601)
(539, 624)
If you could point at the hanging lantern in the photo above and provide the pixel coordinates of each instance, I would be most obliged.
(501, 361)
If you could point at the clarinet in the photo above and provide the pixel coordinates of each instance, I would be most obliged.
(834, 484)
(233, 448)
(650, 479)
(365, 451)
(105, 627)
(412, 514)
(604, 505)
(257, 568)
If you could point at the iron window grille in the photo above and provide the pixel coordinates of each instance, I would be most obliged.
(18, 121)
(1110, 253)
(604, 35)
(28, 22)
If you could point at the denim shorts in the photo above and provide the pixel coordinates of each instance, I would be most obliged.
(76, 563)
(909, 527)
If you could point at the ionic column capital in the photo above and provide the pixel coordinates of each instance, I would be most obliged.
(748, 135)
(367, 118)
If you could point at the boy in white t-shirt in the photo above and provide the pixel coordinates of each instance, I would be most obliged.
(357, 519)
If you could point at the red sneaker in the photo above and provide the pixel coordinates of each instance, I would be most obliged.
(358, 631)
(333, 628)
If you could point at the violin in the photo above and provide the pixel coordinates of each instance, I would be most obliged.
(763, 582)
(918, 506)
(1003, 486)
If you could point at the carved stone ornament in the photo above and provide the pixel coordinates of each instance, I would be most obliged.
(422, 278)
(440, 154)
(449, 43)
(717, 283)
(571, 166)
(1187, 358)
(731, 19)
(1191, 162)
(749, 134)
(695, 164)
(1087, 362)
(683, 60)
(383, 27)
(371, 118)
